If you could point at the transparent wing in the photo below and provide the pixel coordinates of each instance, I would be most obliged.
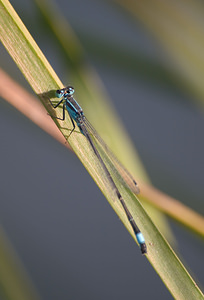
(111, 161)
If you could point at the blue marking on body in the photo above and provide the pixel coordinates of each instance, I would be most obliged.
(72, 111)
(140, 238)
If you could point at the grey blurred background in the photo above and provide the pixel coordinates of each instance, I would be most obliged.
(72, 243)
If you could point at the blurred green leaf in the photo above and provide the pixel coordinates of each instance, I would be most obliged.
(14, 281)
(179, 28)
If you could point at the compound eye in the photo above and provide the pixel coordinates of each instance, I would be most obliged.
(70, 90)
(59, 93)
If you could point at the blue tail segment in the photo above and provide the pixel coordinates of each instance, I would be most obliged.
(141, 241)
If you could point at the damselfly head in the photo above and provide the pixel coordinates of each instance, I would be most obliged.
(67, 91)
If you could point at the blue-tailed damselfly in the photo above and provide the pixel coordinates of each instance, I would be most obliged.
(76, 115)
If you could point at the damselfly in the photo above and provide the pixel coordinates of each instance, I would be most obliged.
(76, 115)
